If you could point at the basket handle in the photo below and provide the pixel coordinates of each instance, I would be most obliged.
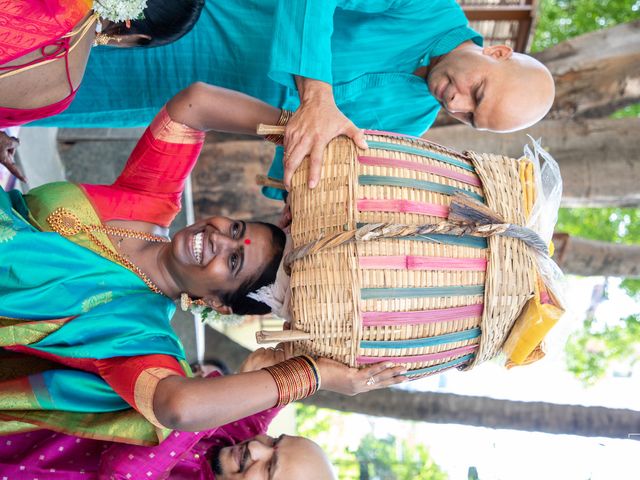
(277, 336)
(264, 129)
(264, 181)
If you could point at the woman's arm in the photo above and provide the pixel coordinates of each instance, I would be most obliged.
(196, 404)
(207, 107)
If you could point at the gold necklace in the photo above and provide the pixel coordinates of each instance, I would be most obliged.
(67, 224)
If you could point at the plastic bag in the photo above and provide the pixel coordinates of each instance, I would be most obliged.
(542, 190)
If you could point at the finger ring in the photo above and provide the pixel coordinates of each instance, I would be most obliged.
(371, 381)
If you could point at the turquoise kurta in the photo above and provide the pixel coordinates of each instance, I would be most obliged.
(368, 50)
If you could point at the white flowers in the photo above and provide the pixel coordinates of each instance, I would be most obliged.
(119, 10)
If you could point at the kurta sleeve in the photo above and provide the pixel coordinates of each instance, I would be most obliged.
(301, 44)
(135, 379)
(151, 184)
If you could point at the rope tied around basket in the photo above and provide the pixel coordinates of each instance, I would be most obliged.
(467, 216)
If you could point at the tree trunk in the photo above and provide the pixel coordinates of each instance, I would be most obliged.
(465, 410)
(596, 73)
(598, 158)
(580, 256)
(486, 412)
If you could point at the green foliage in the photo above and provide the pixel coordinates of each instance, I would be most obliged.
(388, 459)
(374, 458)
(632, 287)
(616, 225)
(592, 350)
(630, 111)
(559, 20)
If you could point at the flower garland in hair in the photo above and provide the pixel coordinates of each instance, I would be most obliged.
(210, 317)
(120, 10)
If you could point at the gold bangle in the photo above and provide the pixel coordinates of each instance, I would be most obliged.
(285, 116)
(295, 379)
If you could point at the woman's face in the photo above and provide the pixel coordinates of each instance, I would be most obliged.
(218, 254)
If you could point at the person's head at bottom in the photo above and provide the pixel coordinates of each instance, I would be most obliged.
(219, 261)
(267, 458)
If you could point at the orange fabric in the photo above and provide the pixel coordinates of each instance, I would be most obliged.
(122, 374)
(151, 184)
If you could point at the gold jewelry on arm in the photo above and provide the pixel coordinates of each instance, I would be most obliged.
(285, 116)
(296, 378)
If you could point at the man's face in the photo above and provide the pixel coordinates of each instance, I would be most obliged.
(268, 458)
(491, 88)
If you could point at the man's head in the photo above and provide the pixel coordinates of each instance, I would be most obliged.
(492, 88)
(268, 458)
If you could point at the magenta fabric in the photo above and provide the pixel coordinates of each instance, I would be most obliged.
(48, 455)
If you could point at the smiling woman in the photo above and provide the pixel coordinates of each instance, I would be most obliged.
(88, 281)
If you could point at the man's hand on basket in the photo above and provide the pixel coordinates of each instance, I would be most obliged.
(339, 378)
(314, 124)
(8, 147)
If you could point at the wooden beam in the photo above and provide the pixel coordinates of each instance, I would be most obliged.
(499, 13)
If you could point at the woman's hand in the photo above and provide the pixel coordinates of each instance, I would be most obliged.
(8, 147)
(314, 124)
(339, 378)
(265, 357)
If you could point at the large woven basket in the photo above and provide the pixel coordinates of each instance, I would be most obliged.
(430, 301)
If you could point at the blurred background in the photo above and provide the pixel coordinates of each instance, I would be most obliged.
(573, 415)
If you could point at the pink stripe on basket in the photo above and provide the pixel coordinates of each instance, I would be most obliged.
(408, 262)
(421, 167)
(372, 319)
(403, 206)
(456, 352)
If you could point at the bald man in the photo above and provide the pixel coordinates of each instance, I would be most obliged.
(342, 65)
(268, 458)
(239, 450)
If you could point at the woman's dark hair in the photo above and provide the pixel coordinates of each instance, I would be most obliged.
(165, 21)
(238, 301)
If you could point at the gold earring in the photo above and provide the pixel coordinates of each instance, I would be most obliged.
(186, 302)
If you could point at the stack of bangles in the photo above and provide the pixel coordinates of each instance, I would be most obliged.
(285, 115)
(296, 378)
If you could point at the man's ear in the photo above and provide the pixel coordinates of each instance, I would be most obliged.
(216, 304)
(499, 52)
